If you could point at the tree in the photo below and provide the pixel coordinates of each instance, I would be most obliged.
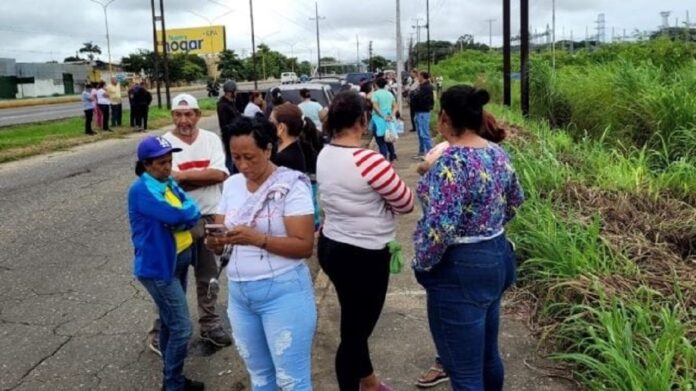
(91, 49)
(72, 58)
(378, 62)
(186, 67)
(142, 60)
(231, 66)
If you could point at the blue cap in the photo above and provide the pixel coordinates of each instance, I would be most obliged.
(152, 147)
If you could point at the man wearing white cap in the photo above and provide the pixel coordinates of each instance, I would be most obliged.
(200, 170)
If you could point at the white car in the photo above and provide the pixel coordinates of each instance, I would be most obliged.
(288, 78)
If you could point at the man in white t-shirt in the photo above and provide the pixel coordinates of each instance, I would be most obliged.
(200, 170)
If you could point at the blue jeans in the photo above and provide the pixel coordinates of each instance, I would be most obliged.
(422, 120)
(464, 292)
(273, 322)
(385, 148)
(176, 328)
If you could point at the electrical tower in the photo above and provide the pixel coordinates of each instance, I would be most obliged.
(601, 28)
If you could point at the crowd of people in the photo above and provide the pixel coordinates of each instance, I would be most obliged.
(253, 198)
(102, 105)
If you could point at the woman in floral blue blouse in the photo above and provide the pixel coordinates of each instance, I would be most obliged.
(462, 257)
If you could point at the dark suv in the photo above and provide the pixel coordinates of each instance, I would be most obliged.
(357, 78)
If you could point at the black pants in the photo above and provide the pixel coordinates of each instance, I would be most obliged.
(88, 120)
(141, 113)
(105, 116)
(360, 277)
(116, 115)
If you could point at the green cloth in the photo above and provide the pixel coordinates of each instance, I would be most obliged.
(397, 257)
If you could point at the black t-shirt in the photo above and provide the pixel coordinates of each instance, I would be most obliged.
(291, 157)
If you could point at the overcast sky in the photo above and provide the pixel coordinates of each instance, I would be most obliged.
(43, 30)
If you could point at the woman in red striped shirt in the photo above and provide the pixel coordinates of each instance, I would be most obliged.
(360, 194)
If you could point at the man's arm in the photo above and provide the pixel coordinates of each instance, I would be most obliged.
(191, 180)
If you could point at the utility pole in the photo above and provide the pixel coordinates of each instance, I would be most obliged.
(253, 45)
(164, 57)
(411, 58)
(427, 26)
(156, 53)
(369, 58)
(553, 34)
(317, 18)
(507, 97)
(490, 33)
(399, 57)
(418, 27)
(524, 56)
(357, 53)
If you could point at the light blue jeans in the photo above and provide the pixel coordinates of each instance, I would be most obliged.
(273, 322)
(422, 120)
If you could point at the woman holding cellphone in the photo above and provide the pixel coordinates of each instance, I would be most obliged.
(268, 213)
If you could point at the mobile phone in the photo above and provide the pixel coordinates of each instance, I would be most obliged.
(215, 229)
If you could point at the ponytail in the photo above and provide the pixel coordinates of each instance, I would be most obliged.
(490, 130)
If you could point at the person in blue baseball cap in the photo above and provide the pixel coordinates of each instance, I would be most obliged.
(161, 215)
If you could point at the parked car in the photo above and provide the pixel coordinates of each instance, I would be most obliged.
(304, 78)
(288, 78)
(320, 93)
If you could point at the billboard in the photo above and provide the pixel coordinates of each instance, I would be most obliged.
(194, 40)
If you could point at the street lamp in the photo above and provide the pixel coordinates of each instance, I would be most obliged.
(104, 5)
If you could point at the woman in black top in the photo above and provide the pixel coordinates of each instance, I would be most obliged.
(292, 151)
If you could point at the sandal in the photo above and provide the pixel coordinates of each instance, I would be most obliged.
(434, 376)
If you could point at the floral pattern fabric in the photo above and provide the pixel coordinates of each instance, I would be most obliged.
(467, 193)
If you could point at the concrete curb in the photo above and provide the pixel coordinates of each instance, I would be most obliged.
(11, 104)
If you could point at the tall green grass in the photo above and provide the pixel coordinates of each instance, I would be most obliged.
(618, 332)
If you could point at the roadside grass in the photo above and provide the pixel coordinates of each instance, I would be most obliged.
(606, 240)
(20, 141)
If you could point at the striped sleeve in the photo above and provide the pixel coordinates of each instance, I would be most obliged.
(384, 180)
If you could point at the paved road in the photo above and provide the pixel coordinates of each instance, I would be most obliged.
(22, 115)
(71, 315)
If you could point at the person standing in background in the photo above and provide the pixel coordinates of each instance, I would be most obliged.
(141, 105)
(255, 106)
(88, 107)
(310, 109)
(131, 94)
(422, 103)
(114, 90)
(104, 104)
(227, 112)
(412, 88)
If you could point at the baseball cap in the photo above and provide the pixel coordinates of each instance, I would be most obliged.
(152, 147)
(229, 86)
(184, 102)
